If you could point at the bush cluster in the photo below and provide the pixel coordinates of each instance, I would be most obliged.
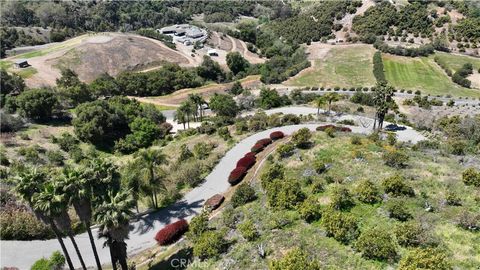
(397, 186)
(210, 244)
(459, 77)
(396, 209)
(368, 192)
(425, 258)
(410, 234)
(242, 195)
(285, 150)
(395, 158)
(310, 210)
(335, 128)
(171, 233)
(341, 226)
(471, 177)
(276, 135)
(248, 230)
(236, 175)
(341, 199)
(293, 260)
(246, 161)
(377, 243)
(378, 71)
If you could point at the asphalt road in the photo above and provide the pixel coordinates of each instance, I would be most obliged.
(23, 254)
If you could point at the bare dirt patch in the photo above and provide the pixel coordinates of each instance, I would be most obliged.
(475, 79)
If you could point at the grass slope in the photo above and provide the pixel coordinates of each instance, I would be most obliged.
(455, 61)
(423, 74)
(343, 67)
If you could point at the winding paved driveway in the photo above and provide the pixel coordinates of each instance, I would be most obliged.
(23, 254)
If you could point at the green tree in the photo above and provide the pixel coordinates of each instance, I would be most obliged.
(198, 101)
(29, 183)
(104, 85)
(320, 102)
(331, 98)
(224, 105)
(197, 226)
(37, 104)
(236, 89)
(269, 98)
(150, 172)
(68, 78)
(383, 101)
(113, 217)
(210, 70)
(52, 202)
(78, 191)
(302, 137)
(236, 63)
(377, 243)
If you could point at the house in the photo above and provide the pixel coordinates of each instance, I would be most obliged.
(212, 52)
(194, 32)
(21, 63)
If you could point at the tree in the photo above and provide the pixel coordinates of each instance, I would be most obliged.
(105, 85)
(68, 78)
(151, 175)
(319, 102)
(236, 63)
(29, 183)
(425, 258)
(37, 104)
(187, 108)
(180, 117)
(377, 243)
(223, 105)
(78, 191)
(210, 70)
(52, 202)
(10, 84)
(199, 102)
(74, 95)
(302, 137)
(383, 101)
(331, 98)
(269, 98)
(113, 217)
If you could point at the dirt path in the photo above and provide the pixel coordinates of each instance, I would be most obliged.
(348, 19)
(251, 57)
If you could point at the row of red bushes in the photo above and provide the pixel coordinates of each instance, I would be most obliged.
(336, 128)
(172, 232)
(246, 162)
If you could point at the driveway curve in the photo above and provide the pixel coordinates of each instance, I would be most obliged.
(23, 254)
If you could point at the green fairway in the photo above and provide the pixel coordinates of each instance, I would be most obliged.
(455, 62)
(423, 74)
(343, 67)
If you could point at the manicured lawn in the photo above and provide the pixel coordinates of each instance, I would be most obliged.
(455, 62)
(422, 74)
(342, 66)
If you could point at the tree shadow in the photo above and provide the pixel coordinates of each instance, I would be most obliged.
(177, 261)
(179, 210)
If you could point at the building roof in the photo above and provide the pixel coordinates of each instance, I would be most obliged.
(194, 32)
(20, 61)
(212, 51)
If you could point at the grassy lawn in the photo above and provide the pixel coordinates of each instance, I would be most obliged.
(422, 74)
(455, 62)
(343, 67)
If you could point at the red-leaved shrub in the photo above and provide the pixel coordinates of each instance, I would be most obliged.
(265, 141)
(246, 162)
(250, 154)
(341, 129)
(276, 135)
(257, 148)
(171, 233)
(237, 175)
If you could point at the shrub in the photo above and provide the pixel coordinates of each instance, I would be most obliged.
(41, 264)
(257, 148)
(276, 171)
(214, 202)
(471, 177)
(318, 187)
(452, 198)
(55, 157)
(201, 150)
(224, 133)
(209, 245)
(355, 140)
(171, 233)
(246, 162)
(237, 175)
(295, 259)
(376, 243)
(392, 138)
(302, 137)
(250, 154)
(396, 209)
(330, 132)
(341, 199)
(265, 141)
(67, 142)
(425, 258)
(285, 150)
(309, 210)
(396, 186)
(395, 158)
(276, 135)
(284, 194)
(243, 194)
(341, 226)
(410, 234)
(248, 230)
(367, 192)
(468, 221)
(57, 261)
(197, 226)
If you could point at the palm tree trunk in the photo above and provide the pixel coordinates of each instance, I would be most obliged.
(64, 249)
(112, 255)
(156, 199)
(183, 125)
(70, 235)
(318, 111)
(94, 248)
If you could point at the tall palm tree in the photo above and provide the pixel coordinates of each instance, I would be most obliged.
(29, 183)
(331, 98)
(52, 202)
(102, 176)
(199, 102)
(149, 160)
(180, 117)
(319, 102)
(113, 216)
(79, 194)
(188, 109)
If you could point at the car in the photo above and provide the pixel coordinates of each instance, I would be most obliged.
(394, 127)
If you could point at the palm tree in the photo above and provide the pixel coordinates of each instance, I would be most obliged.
(113, 216)
(102, 176)
(180, 117)
(330, 98)
(319, 102)
(28, 184)
(79, 194)
(148, 160)
(188, 109)
(198, 101)
(52, 202)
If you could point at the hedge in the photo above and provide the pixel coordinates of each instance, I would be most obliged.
(236, 175)
(214, 202)
(276, 135)
(250, 154)
(336, 128)
(265, 141)
(246, 162)
(171, 233)
(257, 148)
